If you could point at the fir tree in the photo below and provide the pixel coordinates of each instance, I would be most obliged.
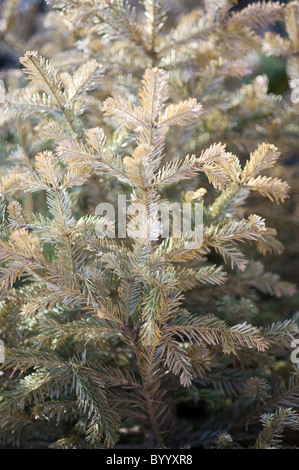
(110, 337)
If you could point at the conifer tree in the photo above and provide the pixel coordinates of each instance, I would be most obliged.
(108, 338)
